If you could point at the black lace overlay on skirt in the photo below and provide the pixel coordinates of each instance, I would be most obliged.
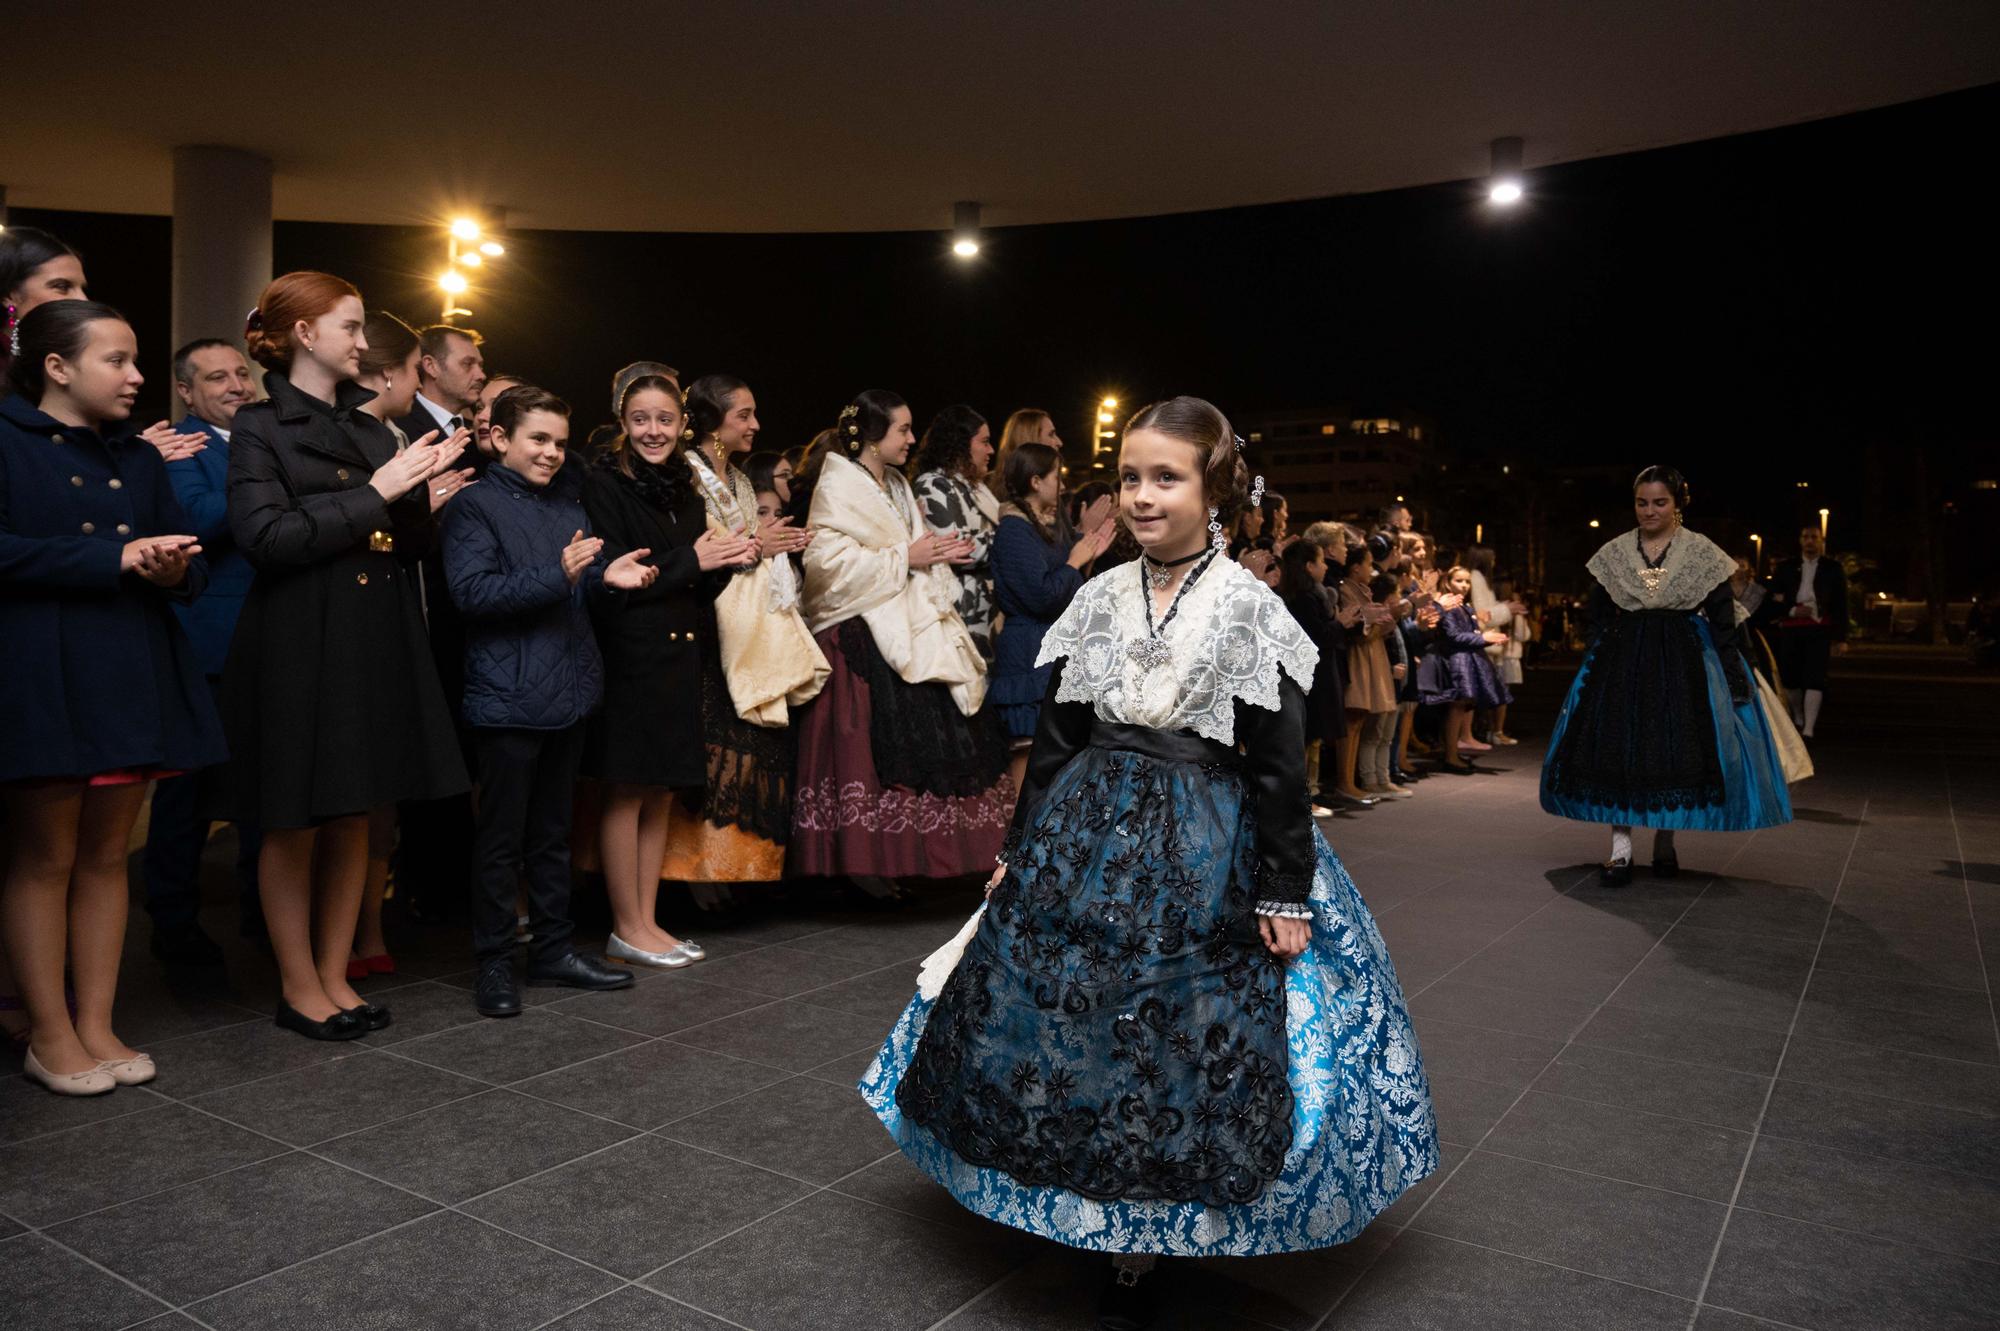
(922, 741)
(1642, 735)
(1115, 1027)
(749, 767)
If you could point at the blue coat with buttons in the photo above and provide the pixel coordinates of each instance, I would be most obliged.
(531, 657)
(99, 676)
(201, 483)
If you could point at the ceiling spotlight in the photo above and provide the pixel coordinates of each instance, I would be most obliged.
(470, 259)
(465, 228)
(1504, 185)
(454, 282)
(492, 249)
(965, 229)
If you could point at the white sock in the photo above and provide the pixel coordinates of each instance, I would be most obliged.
(1621, 845)
(1663, 843)
(1813, 699)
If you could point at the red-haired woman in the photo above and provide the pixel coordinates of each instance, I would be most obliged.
(330, 699)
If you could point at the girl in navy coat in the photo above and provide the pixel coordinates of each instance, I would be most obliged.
(104, 692)
(521, 564)
(1456, 674)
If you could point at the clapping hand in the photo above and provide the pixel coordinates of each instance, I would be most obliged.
(417, 464)
(160, 560)
(628, 574)
(579, 554)
(938, 548)
(174, 445)
(1095, 514)
(777, 536)
(1094, 542)
(447, 484)
(723, 549)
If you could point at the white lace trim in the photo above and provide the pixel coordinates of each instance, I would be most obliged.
(1691, 569)
(1286, 910)
(1231, 640)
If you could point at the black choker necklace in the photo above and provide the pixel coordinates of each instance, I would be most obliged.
(1157, 570)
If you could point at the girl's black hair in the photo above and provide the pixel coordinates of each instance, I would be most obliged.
(23, 249)
(1676, 484)
(1357, 555)
(873, 410)
(1294, 579)
(947, 442)
(759, 466)
(53, 328)
(707, 400)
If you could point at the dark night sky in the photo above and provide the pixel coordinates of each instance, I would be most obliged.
(1754, 309)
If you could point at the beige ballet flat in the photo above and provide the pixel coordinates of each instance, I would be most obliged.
(134, 1071)
(95, 1081)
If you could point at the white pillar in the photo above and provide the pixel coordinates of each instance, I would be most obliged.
(222, 240)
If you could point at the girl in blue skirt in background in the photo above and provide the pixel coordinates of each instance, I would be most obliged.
(1174, 1027)
(1663, 727)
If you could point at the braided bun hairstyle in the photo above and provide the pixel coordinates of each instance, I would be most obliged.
(707, 402)
(288, 301)
(866, 419)
(1225, 477)
(1676, 484)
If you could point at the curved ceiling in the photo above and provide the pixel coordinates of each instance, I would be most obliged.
(876, 115)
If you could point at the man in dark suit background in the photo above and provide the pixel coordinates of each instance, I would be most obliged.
(1805, 614)
(212, 380)
(434, 855)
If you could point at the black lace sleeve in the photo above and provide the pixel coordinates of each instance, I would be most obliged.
(1720, 611)
(1061, 732)
(1274, 770)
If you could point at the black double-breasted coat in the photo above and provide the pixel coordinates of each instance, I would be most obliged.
(330, 698)
(649, 730)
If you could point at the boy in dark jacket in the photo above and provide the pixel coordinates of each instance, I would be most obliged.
(521, 566)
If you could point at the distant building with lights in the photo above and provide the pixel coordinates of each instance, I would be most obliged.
(1337, 462)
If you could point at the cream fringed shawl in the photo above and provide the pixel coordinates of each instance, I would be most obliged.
(1693, 567)
(858, 567)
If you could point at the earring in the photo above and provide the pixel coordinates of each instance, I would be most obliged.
(1215, 536)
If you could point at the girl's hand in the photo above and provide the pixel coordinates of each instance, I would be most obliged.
(628, 574)
(1450, 601)
(1284, 936)
(778, 536)
(1494, 637)
(723, 549)
(937, 548)
(579, 554)
(999, 876)
(1349, 615)
(1399, 672)
(1094, 543)
(1428, 616)
(136, 554)
(1095, 514)
(172, 444)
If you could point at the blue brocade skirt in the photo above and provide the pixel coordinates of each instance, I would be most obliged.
(1649, 737)
(1057, 1001)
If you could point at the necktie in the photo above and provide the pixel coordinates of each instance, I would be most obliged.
(454, 424)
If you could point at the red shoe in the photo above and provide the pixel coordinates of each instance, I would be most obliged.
(357, 969)
(380, 964)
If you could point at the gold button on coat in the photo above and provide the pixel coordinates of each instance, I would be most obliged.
(124, 529)
(117, 484)
(89, 527)
(361, 578)
(340, 475)
(76, 480)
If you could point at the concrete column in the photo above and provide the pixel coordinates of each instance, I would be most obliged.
(222, 240)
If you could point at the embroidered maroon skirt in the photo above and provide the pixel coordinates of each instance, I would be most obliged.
(848, 820)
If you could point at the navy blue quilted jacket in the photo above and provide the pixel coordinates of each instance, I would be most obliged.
(531, 659)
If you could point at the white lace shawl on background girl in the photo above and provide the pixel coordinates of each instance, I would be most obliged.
(1692, 568)
(1231, 639)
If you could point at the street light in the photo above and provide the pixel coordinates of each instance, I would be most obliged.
(965, 229)
(453, 283)
(1822, 524)
(460, 253)
(1503, 186)
(1758, 542)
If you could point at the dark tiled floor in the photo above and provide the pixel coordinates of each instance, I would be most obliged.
(1766, 1094)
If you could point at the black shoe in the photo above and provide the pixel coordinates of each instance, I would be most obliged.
(494, 993)
(1668, 867)
(340, 1026)
(1129, 1303)
(579, 971)
(186, 946)
(375, 1018)
(1615, 873)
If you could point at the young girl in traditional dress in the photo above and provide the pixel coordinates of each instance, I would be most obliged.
(1174, 1027)
(1456, 673)
(1662, 727)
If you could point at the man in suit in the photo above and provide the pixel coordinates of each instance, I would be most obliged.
(434, 854)
(212, 380)
(1805, 613)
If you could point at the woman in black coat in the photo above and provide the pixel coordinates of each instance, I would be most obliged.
(103, 689)
(646, 742)
(330, 697)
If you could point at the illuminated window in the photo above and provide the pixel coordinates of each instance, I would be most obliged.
(1326, 429)
(1986, 485)
(1256, 436)
(1417, 433)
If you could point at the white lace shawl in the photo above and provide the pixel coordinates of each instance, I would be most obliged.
(1692, 568)
(1231, 639)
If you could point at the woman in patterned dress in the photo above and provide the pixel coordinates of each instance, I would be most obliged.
(953, 461)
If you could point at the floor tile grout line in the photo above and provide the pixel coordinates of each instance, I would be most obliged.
(1965, 882)
(1543, 1261)
(1777, 1072)
(166, 1305)
(1008, 1278)
(1525, 1089)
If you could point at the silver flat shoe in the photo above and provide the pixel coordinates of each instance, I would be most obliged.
(695, 951)
(617, 949)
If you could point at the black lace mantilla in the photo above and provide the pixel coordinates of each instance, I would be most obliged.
(1116, 1028)
(749, 767)
(922, 741)
(1642, 735)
